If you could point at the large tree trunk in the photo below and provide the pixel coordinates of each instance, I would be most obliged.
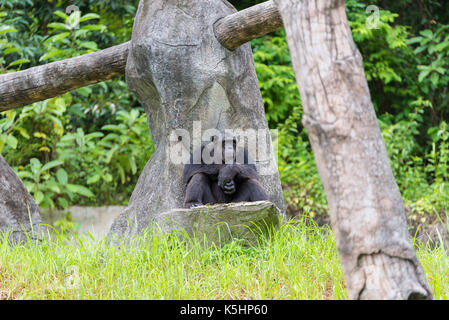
(367, 213)
(18, 89)
(183, 75)
(19, 213)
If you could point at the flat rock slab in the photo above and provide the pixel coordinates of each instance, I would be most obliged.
(222, 222)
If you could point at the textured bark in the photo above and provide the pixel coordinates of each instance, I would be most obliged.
(181, 74)
(236, 29)
(367, 213)
(22, 88)
(18, 89)
(19, 213)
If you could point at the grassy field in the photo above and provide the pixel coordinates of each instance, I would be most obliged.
(295, 262)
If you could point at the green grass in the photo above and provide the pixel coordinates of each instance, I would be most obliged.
(295, 262)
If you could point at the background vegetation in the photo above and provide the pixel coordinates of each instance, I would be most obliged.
(89, 146)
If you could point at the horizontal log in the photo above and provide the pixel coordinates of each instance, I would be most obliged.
(236, 29)
(18, 89)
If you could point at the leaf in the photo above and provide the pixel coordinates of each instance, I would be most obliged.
(80, 190)
(413, 40)
(51, 165)
(441, 46)
(423, 74)
(132, 164)
(10, 50)
(89, 16)
(61, 15)
(38, 197)
(110, 154)
(419, 49)
(89, 45)
(63, 203)
(94, 135)
(112, 127)
(11, 141)
(53, 186)
(107, 177)
(25, 174)
(434, 78)
(58, 37)
(51, 54)
(7, 29)
(93, 179)
(23, 132)
(35, 163)
(17, 62)
(59, 26)
(94, 27)
(62, 176)
(427, 33)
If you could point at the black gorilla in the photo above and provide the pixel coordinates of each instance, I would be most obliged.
(222, 183)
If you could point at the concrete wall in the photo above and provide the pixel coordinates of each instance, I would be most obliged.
(96, 220)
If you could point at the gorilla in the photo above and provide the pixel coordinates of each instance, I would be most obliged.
(223, 181)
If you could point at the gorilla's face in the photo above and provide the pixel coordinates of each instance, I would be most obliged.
(228, 186)
(226, 179)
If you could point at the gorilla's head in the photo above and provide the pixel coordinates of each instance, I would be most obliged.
(226, 179)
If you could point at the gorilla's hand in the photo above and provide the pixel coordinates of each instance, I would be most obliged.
(195, 205)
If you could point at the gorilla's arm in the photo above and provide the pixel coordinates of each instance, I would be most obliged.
(198, 191)
(250, 190)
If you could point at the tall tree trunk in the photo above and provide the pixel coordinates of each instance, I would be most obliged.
(367, 213)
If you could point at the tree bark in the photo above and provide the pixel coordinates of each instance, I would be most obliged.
(367, 213)
(19, 213)
(22, 88)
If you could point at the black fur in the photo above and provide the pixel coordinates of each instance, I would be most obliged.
(222, 183)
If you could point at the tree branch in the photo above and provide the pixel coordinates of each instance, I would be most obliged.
(236, 29)
(21, 88)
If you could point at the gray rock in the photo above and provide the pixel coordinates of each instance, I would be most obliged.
(19, 213)
(221, 223)
(181, 74)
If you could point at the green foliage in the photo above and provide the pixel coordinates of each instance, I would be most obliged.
(44, 187)
(302, 187)
(70, 37)
(276, 77)
(109, 161)
(9, 47)
(432, 51)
